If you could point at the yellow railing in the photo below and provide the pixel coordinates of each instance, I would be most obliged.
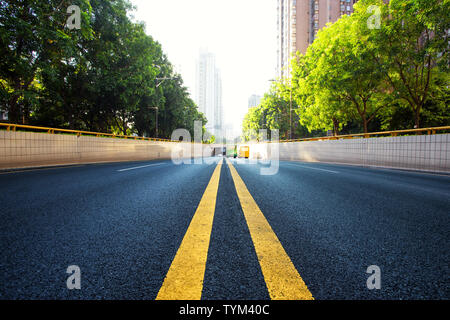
(14, 127)
(374, 134)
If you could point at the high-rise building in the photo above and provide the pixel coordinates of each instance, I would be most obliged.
(3, 115)
(209, 92)
(254, 101)
(298, 23)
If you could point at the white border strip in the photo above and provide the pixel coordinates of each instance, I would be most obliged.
(134, 168)
(312, 168)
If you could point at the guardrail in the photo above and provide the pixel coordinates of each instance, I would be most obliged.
(373, 134)
(14, 127)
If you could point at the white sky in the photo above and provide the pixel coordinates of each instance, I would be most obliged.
(241, 33)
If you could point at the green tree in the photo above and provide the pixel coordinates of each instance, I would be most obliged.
(319, 108)
(100, 78)
(410, 47)
(252, 123)
(345, 75)
(32, 33)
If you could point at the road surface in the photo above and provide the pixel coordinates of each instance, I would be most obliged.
(137, 230)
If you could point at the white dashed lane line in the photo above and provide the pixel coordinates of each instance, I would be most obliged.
(312, 168)
(141, 167)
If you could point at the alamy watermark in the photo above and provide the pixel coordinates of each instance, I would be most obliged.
(74, 280)
(374, 21)
(74, 20)
(374, 281)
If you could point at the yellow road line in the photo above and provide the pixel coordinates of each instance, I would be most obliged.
(184, 280)
(282, 279)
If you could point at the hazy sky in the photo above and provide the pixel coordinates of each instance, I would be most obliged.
(242, 34)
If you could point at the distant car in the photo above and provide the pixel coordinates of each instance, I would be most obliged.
(244, 152)
(218, 152)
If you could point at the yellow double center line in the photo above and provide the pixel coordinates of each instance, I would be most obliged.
(184, 281)
(282, 279)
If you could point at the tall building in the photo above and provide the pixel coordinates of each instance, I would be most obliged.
(254, 101)
(298, 23)
(3, 115)
(209, 92)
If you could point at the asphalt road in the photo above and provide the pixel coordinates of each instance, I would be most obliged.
(123, 224)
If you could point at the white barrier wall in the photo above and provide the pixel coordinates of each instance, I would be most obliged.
(27, 149)
(418, 152)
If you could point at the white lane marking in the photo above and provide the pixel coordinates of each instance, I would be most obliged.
(299, 165)
(23, 170)
(134, 168)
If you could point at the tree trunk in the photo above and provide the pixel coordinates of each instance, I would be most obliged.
(336, 126)
(26, 114)
(365, 123)
(124, 127)
(13, 109)
(364, 116)
(417, 117)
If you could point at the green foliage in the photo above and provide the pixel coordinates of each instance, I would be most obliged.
(274, 113)
(358, 78)
(410, 48)
(102, 77)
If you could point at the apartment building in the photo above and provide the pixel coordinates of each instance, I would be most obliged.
(254, 101)
(209, 92)
(298, 23)
(3, 115)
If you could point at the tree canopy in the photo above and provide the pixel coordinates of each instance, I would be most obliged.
(101, 77)
(364, 76)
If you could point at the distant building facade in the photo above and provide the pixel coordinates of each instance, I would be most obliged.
(298, 23)
(254, 101)
(209, 92)
(3, 115)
